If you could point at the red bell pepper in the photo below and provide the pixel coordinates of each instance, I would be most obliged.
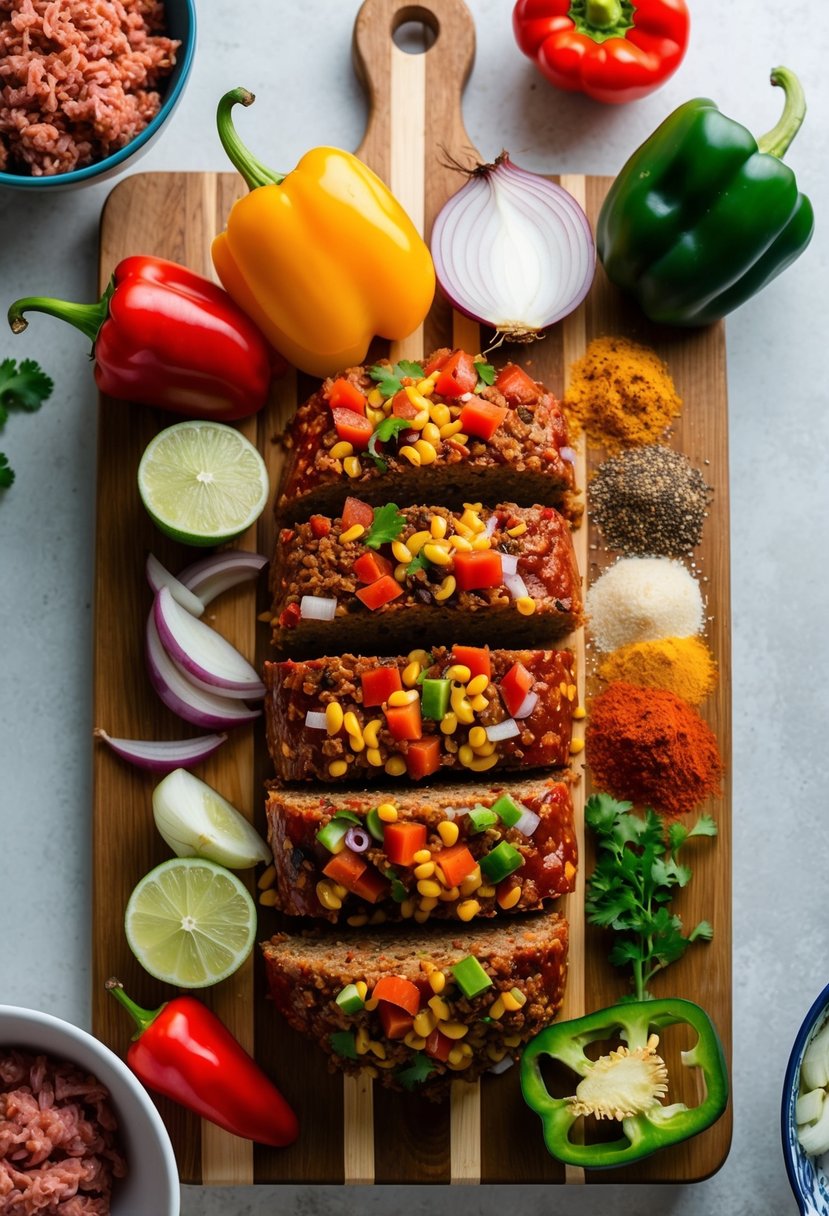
(379, 593)
(478, 571)
(458, 375)
(402, 840)
(482, 418)
(404, 721)
(476, 658)
(370, 567)
(355, 511)
(612, 50)
(164, 336)
(344, 393)
(516, 385)
(378, 684)
(182, 1050)
(423, 757)
(352, 427)
(396, 1022)
(514, 687)
(397, 991)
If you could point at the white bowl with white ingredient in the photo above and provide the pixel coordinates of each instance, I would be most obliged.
(804, 1116)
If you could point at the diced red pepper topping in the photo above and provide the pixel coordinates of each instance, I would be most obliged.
(482, 418)
(395, 1021)
(290, 617)
(423, 757)
(456, 862)
(476, 658)
(371, 566)
(438, 1046)
(352, 427)
(402, 840)
(457, 375)
(345, 868)
(320, 525)
(370, 885)
(437, 361)
(397, 991)
(379, 593)
(404, 721)
(516, 385)
(378, 685)
(514, 687)
(402, 407)
(478, 570)
(355, 511)
(344, 393)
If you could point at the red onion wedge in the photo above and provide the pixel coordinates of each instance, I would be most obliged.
(212, 575)
(205, 709)
(513, 250)
(159, 576)
(204, 656)
(527, 706)
(163, 757)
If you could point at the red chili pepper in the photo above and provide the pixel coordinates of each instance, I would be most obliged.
(182, 1050)
(612, 50)
(167, 337)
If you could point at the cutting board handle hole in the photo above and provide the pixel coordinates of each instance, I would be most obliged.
(414, 29)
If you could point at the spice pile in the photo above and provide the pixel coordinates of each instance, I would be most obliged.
(642, 598)
(684, 666)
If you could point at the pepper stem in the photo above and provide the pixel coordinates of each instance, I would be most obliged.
(776, 141)
(603, 13)
(142, 1017)
(252, 170)
(88, 318)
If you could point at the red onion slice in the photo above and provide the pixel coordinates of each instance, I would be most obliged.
(163, 757)
(357, 839)
(159, 576)
(204, 656)
(527, 706)
(210, 576)
(186, 700)
(513, 250)
(508, 729)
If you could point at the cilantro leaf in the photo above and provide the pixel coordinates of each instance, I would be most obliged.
(486, 374)
(382, 432)
(387, 526)
(6, 472)
(389, 379)
(344, 1044)
(22, 388)
(419, 562)
(417, 1072)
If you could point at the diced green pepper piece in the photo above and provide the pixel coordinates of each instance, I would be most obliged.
(344, 1044)
(349, 999)
(375, 824)
(434, 699)
(471, 977)
(333, 834)
(482, 818)
(500, 861)
(507, 810)
(347, 817)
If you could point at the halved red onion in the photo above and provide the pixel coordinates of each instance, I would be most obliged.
(528, 822)
(210, 576)
(159, 576)
(527, 706)
(516, 586)
(318, 607)
(204, 656)
(179, 694)
(507, 729)
(513, 250)
(509, 563)
(315, 720)
(163, 757)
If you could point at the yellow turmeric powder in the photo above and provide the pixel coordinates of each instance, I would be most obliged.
(684, 666)
(620, 394)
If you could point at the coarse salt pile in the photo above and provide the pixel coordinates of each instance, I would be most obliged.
(640, 599)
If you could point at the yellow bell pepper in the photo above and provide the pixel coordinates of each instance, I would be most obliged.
(322, 258)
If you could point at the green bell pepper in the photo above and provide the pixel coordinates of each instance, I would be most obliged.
(702, 216)
(627, 1084)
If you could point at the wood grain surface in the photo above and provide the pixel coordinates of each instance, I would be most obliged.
(352, 1133)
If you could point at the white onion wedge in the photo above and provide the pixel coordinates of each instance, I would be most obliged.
(318, 607)
(159, 576)
(527, 706)
(528, 822)
(196, 821)
(210, 576)
(315, 720)
(509, 564)
(205, 709)
(162, 756)
(204, 656)
(508, 729)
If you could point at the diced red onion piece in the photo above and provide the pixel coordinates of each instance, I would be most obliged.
(528, 822)
(210, 576)
(317, 607)
(357, 839)
(163, 757)
(315, 720)
(527, 705)
(205, 657)
(159, 576)
(179, 694)
(567, 454)
(509, 564)
(502, 1066)
(507, 729)
(491, 525)
(516, 586)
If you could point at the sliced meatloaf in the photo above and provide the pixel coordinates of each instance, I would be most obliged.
(451, 852)
(460, 711)
(389, 575)
(470, 431)
(417, 1012)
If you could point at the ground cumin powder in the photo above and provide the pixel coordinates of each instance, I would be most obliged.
(684, 666)
(621, 394)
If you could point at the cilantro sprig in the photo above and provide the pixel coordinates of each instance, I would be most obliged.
(486, 375)
(420, 1069)
(387, 526)
(24, 386)
(382, 433)
(636, 874)
(419, 562)
(389, 380)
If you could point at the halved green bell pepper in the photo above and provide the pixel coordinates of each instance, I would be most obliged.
(633, 1077)
(703, 215)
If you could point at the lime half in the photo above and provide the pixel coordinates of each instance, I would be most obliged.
(202, 482)
(190, 922)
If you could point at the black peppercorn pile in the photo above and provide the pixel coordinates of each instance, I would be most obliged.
(650, 502)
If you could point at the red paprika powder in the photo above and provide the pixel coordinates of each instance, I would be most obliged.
(648, 746)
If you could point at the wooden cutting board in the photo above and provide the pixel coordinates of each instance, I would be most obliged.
(351, 1134)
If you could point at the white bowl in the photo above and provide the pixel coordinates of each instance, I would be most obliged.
(152, 1185)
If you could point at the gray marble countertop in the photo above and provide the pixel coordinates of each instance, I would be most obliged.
(297, 59)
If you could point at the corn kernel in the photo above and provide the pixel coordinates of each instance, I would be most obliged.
(425, 870)
(463, 710)
(358, 920)
(361, 1040)
(465, 754)
(439, 875)
(357, 743)
(496, 1009)
(428, 888)
(453, 1030)
(421, 917)
(401, 572)
(426, 451)
(407, 909)
(334, 717)
(337, 768)
(410, 454)
(372, 1003)
(510, 898)
(474, 507)
(448, 724)
(377, 1049)
(420, 856)
(512, 1040)
(482, 764)
(439, 1007)
(395, 766)
(426, 386)
(424, 1022)
(431, 434)
(385, 1064)
(448, 832)
(415, 543)
(446, 589)
(428, 905)
(460, 543)
(352, 533)
(448, 430)
(477, 737)
(461, 438)
(496, 1054)
(268, 898)
(437, 555)
(416, 1041)
(440, 414)
(450, 895)
(378, 917)
(352, 466)
(518, 530)
(479, 703)
(387, 812)
(267, 878)
(456, 1060)
(569, 871)
(352, 723)
(374, 757)
(525, 605)
(403, 696)
(401, 552)
(375, 417)
(484, 749)
(362, 989)
(411, 674)
(468, 909)
(486, 892)
(481, 542)
(437, 981)
(339, 890)
(375, 397)
(562, 688)
(341, 450)
(460, 673)
(579, 713)
(576, 746)
(571, 692)
(370, 731)
(472, 520)
(471, 882)
(477, 685)
(327, 897)
(514, 999)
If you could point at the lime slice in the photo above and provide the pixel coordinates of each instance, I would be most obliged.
(190, 922)
(202, 482)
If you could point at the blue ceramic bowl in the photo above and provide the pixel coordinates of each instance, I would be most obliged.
(809, 1176)
(181, 24)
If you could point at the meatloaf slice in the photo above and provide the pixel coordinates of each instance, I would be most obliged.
(349, 717)
(464, 576)
(511, 973)
(526, 459)
(504, 847)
